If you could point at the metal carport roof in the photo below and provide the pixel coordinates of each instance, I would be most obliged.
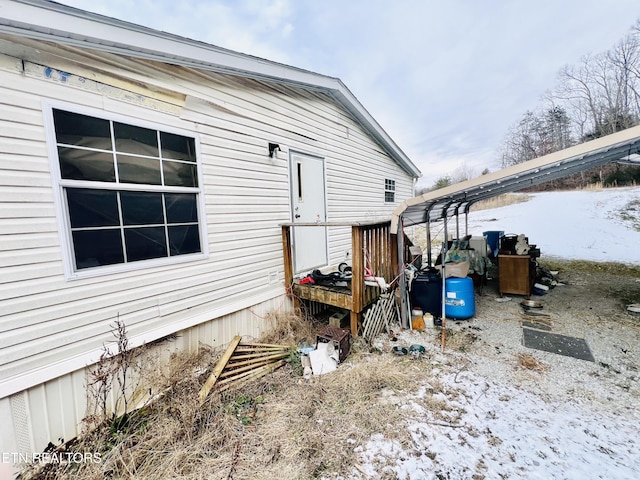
(622, 146)
(443, 203)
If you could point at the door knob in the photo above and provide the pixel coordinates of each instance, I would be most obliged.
(297, 215)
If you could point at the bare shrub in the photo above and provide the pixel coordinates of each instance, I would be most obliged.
(288, 329)
(280, 426)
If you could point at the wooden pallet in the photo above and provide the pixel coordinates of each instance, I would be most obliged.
(242, 362)
(379, 316)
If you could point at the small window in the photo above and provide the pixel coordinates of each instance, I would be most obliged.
(389, 191)
(130, 193)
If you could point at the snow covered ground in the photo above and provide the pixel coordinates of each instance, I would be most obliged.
(503, 432)
(599, 225)
(577, 420)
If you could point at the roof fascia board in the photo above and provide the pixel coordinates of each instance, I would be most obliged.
(79, 28)
(37, 18)
(416, 216)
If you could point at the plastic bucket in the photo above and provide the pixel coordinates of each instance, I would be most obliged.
(460, 301)
(493, 240)
(417, 319)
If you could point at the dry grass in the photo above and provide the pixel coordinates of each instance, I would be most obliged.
(289, 329)
(455, 339)
(500, 201)
(282, 426)
(587, 266)
(529, 362)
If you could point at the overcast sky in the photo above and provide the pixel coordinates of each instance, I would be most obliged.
(446, 79)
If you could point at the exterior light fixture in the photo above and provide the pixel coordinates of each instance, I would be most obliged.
(273, 150)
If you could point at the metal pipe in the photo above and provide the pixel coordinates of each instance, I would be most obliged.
(467, 207)
(444, 285)
(428, 227)
(428, 216)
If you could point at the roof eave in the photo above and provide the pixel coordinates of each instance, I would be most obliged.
(79, 28)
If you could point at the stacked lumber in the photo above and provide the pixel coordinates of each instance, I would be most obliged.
(242, 362)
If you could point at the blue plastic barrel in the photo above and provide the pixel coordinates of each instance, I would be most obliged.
(460, 301)
(493, 241)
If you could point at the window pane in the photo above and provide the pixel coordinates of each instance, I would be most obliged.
(145, 243)
(180, 174)
(141, 208)
(97, 247)
(389, 197)
(139, 170)
(92, 208)
(178, 147)
(77, 164)
(184, 239)
(181, 208)
(138, 140)
(76, 129)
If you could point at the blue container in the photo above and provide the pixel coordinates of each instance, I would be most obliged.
(460, 300)
(493, 241)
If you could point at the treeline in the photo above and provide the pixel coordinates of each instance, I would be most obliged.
(597, 97)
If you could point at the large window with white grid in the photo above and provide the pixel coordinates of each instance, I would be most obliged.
(130, 193)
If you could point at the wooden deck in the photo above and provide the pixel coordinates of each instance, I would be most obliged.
(372, 246)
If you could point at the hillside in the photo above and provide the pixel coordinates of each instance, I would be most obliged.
(597, 225)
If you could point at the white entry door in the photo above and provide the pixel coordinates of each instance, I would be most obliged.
(309, 206)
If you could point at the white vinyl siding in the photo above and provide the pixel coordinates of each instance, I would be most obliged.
(46, 322)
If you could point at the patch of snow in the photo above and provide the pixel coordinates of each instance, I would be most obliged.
(499, 424)
(505, 432)
(592, 225)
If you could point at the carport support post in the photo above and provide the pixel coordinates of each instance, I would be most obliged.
(404, 318)
(428, 225)
(444, 284)
(428, 214)
(466, 219)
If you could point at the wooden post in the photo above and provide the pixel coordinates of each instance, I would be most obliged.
(288, 266)
(286, 253)
(357, 277)
(393, 251)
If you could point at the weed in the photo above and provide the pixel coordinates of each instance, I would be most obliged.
(529, 362)
(295, 362)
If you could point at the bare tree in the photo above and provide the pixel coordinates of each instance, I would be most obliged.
(537, 134)
(598, 96)
(602, 91)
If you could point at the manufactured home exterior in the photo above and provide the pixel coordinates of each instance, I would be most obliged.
(143, 178)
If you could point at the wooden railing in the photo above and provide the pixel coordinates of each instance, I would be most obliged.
(372, 246)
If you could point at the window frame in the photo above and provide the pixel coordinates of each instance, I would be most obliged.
(388, 182)
(62, 207)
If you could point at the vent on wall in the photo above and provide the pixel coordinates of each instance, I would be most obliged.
(21, 424)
